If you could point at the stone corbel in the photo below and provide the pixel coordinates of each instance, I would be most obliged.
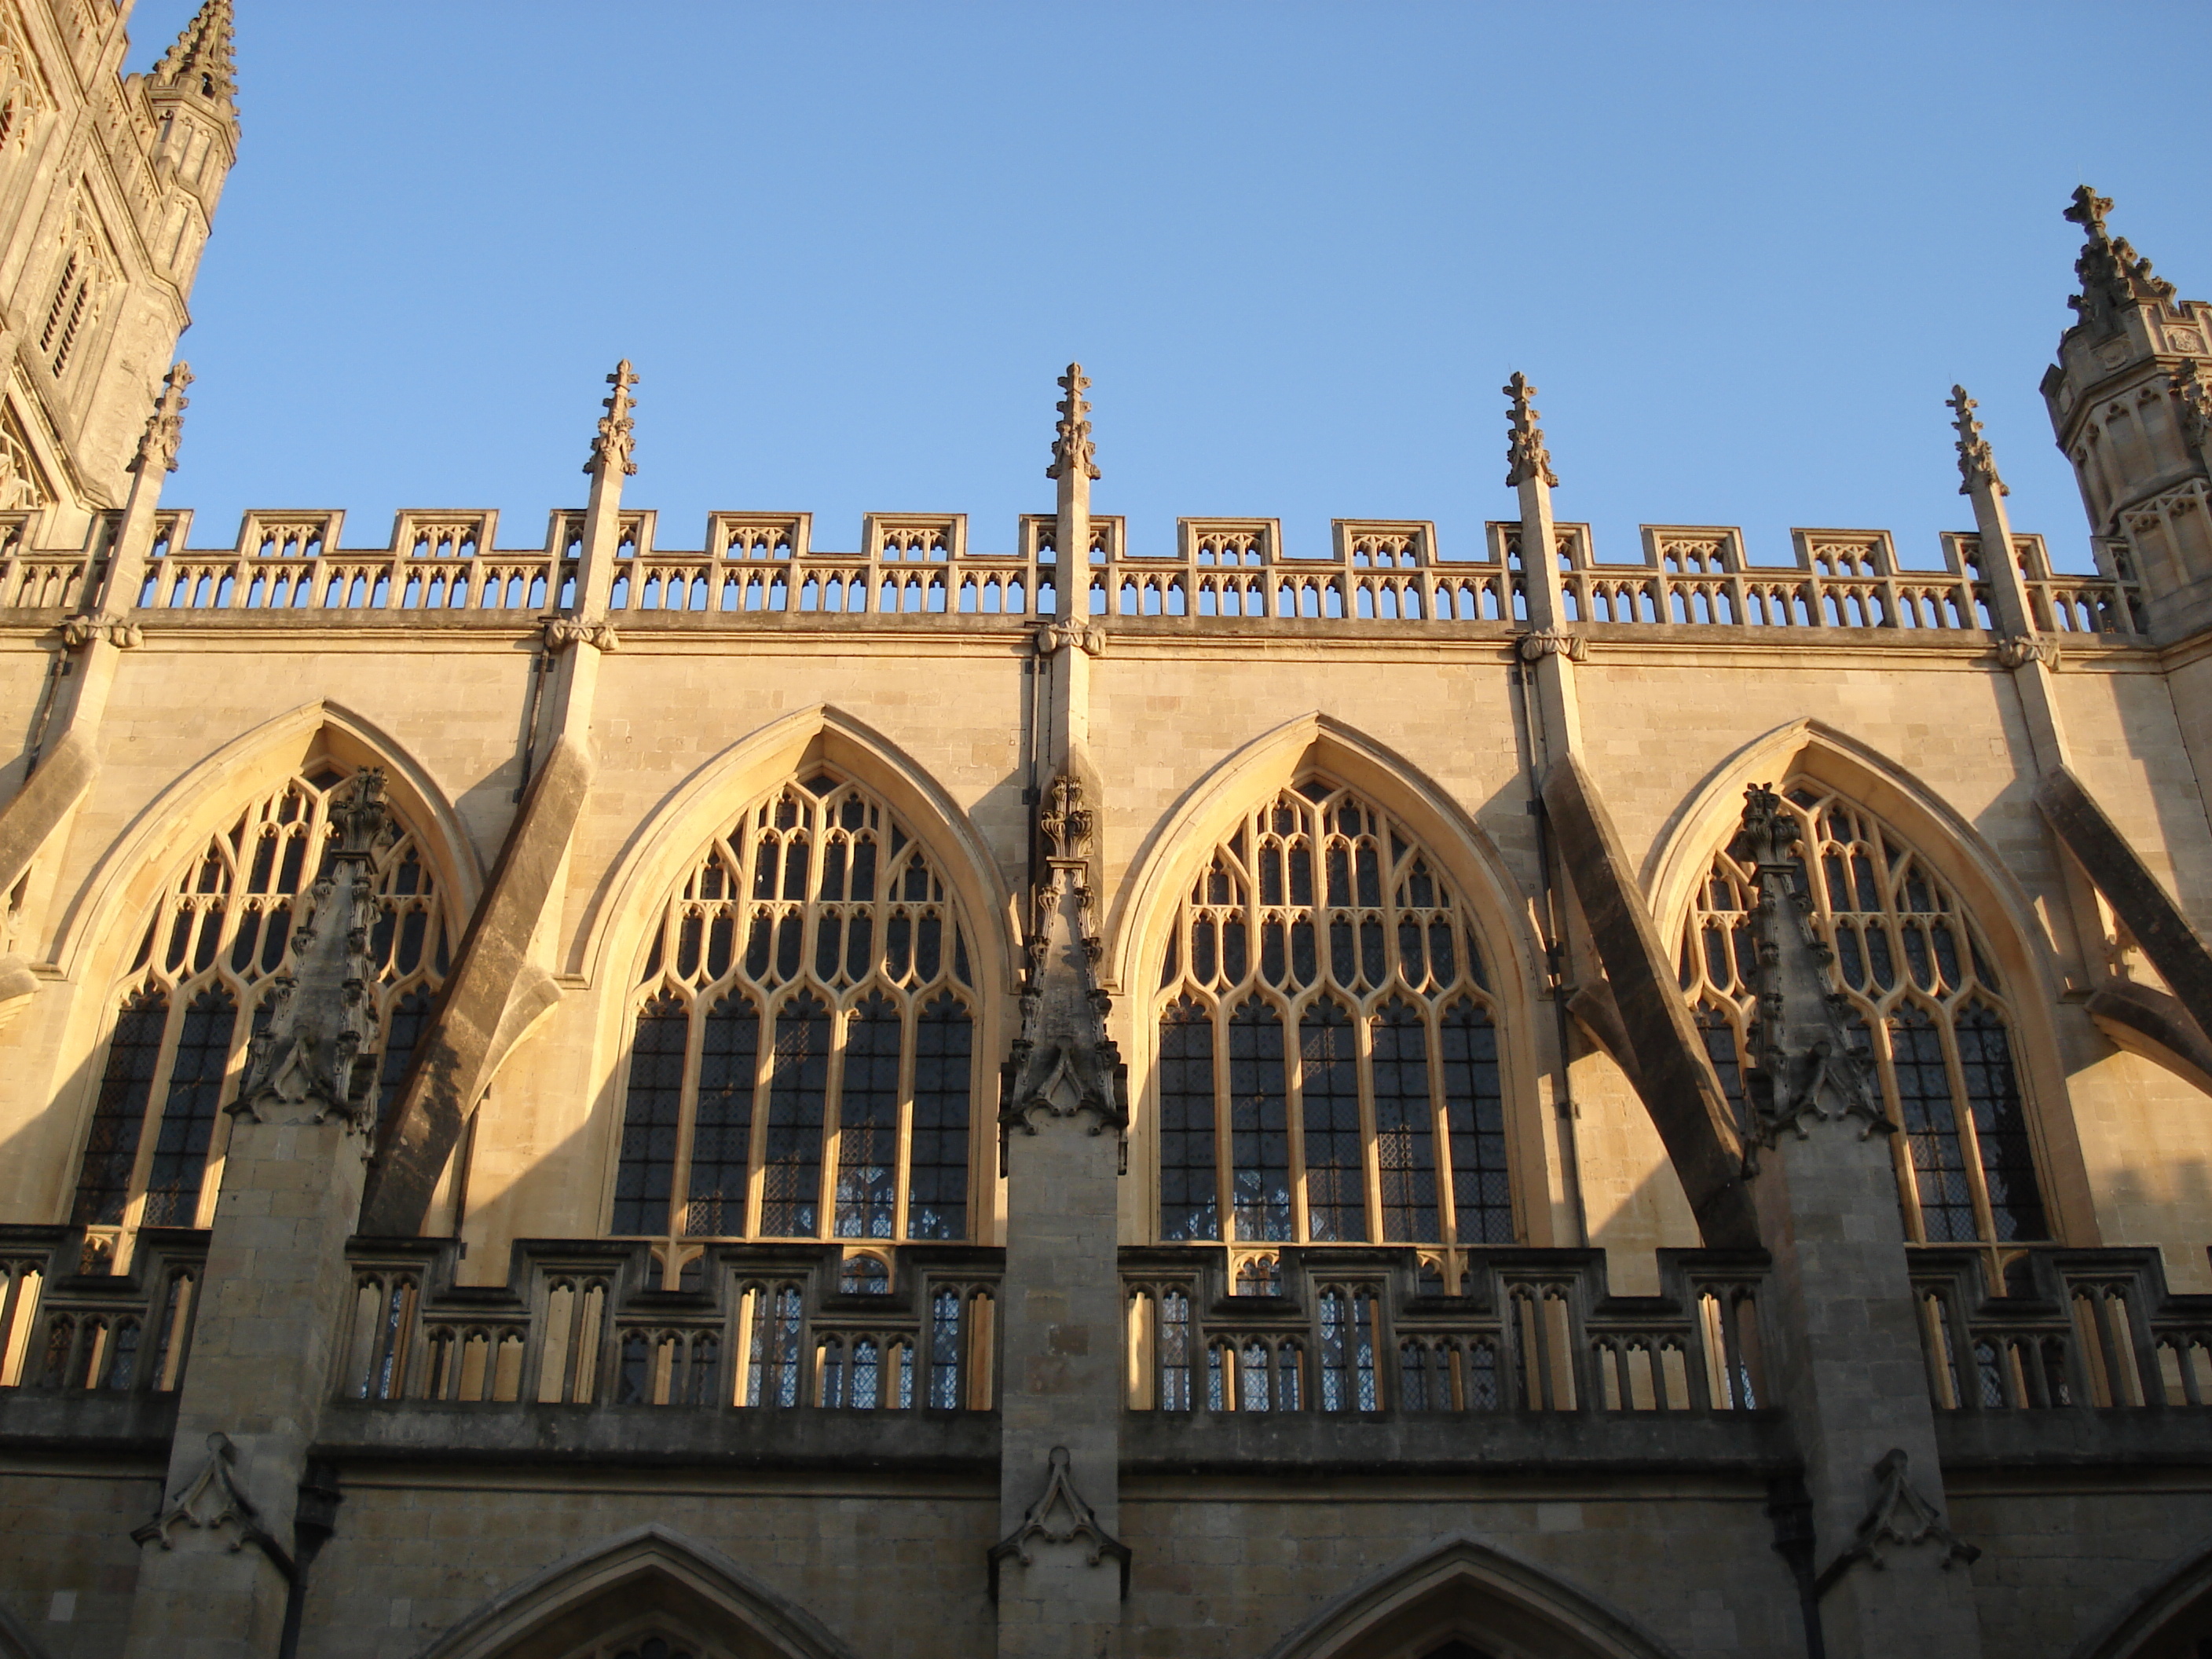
(1053, 1079)
(2021, 649)
(212, 1501)
(79, 632)
(1553, 642)
(1058, 636)
(1899, 1518)
(562, 632)
(1060, 1516)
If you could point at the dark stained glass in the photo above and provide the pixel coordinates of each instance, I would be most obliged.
(647, 1167)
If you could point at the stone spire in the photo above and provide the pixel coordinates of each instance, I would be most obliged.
(613, 447)
(314, 1053)
(1804, 1066)
(1854, 1388)
(1525, 454)
(202, 64)
(2113, 275)
(165, 430)
(1977, 463)
(1072, 453)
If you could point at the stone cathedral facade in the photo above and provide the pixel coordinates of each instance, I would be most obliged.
(655, 1092)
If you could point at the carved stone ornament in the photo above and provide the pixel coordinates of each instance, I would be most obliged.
(2113, 275)
(1899, 1518)
(1071, 448)
(1525, 454)
(1060, 1516)
(1062, 1064)
(78, 632)
(1553, 642)
(314, 1053)
(1058, 636)
(1976, 461)
(1064, 821)
(1805, 1068)
(2020, 649)
(165, 429)
(562, 632)
(612, 449)
(210, 1501)
(2194, 391)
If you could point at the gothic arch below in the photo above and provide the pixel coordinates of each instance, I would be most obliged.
(201, 800)
(2172, 1618)
(1164, 866)
(1467, 1591)
(612, 1587)
(629, 899)
(1959, 852)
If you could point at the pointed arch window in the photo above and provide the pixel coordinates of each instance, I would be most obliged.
(1925, 1002)
(802, 1064)
(1327, 1068)
(220, 934)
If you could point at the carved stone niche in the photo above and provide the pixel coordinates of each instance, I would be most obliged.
(1060, 1516)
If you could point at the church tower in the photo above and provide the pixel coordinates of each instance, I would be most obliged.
(108, 184)
(2129, 398)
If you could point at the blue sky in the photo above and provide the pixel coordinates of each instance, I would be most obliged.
(1743, 250)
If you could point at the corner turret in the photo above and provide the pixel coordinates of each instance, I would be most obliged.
(2124, 399)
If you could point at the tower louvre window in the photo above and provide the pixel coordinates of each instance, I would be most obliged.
(218, 938)
(1327, 1068)
(802, 1058)
(1924, 1000)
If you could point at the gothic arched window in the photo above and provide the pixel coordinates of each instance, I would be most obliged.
(219, 934)
(1329, 1055)
(803, 1060)
(1925, 1002)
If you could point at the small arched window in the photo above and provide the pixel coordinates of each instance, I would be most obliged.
(219, 934)
(1328, 1060)
(1925, 1002)
(802, 1063)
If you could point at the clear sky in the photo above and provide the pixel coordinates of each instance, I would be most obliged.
(1743, 250)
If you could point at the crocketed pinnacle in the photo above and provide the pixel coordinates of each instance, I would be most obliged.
(165, 427)
(1071, 445)
(1976, 461)
(1525, 454)
(615, 443)
(2113, 275)
(201, 60)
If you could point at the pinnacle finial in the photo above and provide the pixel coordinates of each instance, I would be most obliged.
(2193, 387)
(201, 60)
(1072, 446)
(615, 444)
(2113, 275)
(1976, 461)
(1525, 454)
(165, 427)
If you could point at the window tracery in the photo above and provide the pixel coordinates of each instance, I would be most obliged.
(219, 939)
(802, 1058)
(75, 307)
(1925, 1002)
(1329, 1057)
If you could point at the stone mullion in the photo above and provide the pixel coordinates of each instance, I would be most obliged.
(233, 1066)
(902, 1130)
(1908, 1177)
(150, 1129)
(1447, 1171)
(1224, 1110)
(1370, 1151)
(687, 1113)
(1970, 1139)
(1294, 1116)
(756, 1138)
(833, 1113)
